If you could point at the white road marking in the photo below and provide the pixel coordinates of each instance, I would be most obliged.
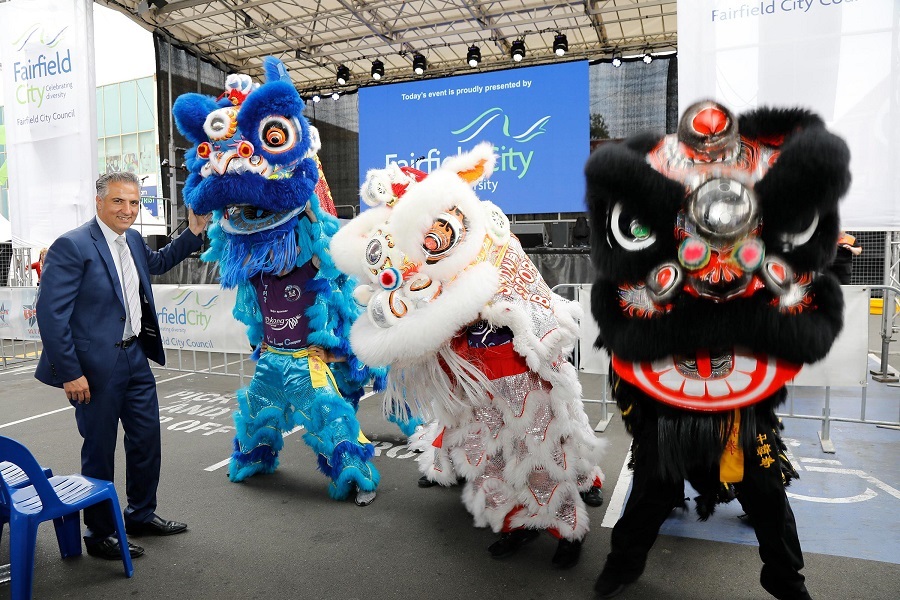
(52, 412)
(620, 493)
(862, 475)
(867, 495)
(225, 462)
(821, 461)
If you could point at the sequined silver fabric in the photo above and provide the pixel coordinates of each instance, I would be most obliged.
(542, 485)
(491, 417)
(515, 388)
(538, 426)
(474, 447)
(567, 513)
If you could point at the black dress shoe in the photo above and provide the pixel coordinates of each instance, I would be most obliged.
(509, 543)
(424, 482)
(109, 549)
(607, 587)
(593, 497)
(567, 554)
(155, 526)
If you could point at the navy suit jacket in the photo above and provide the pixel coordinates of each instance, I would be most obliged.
(80, 308)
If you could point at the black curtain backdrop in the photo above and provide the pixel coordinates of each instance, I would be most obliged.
(632, 98)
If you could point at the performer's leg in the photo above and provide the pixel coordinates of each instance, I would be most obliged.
(763, 498)
(260, 421)
(333, 432)
(650, 503)
(344, 453)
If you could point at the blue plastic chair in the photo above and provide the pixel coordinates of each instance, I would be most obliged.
(16, 477)
(59, 499)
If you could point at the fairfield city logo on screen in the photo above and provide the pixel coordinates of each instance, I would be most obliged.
(34, 76)
(511, 157)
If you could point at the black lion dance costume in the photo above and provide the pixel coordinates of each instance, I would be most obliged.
(711, 293)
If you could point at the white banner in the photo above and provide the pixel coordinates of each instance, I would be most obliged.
(193, 317)
(198, 317)
(848, 362)
(839, 58)
(47, 53)
(590, 359)
(18, 317)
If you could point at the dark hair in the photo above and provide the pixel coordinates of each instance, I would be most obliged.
(116, 176)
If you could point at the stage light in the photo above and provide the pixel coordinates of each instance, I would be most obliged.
(474, 56)
(517, 50)
(617, 59)
(560, 44)
(343, 74)
(377, 69)
(419, 64)
(647, 58)
(316, 97)
(335, 95)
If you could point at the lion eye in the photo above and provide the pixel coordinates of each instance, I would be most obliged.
(221, 124)
(628, 231)
(638, 231)
(278, 134)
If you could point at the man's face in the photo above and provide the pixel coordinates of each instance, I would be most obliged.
(120, 207)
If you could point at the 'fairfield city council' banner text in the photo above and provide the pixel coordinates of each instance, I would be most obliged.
(47, 52)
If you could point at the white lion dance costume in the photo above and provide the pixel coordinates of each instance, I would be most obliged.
(474, 336)
(254, 167)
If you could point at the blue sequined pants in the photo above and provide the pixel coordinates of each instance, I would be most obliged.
(288, 390)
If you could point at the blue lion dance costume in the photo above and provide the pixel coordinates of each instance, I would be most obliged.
(253, 165)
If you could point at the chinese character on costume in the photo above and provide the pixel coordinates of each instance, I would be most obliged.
(711, 293)
(475, 338)
(254, 166)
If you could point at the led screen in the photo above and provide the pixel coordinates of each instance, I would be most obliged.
(536, 118)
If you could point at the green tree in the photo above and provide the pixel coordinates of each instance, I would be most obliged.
(599, 130)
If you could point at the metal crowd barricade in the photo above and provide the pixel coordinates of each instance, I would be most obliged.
(15, 352)
(230, 364)
(883, 376)
(826, 375)
(586, 358)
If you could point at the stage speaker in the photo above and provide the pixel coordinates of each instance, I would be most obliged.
(559, 235)
(531, 235)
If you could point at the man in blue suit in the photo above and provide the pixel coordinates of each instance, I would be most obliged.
(98, 327)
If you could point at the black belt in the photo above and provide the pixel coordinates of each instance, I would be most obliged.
(128, 342)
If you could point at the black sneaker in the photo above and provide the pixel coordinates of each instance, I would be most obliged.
(593, 497)
(509, 543)
(567, 553)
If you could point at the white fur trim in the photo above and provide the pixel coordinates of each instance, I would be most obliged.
(348, 246)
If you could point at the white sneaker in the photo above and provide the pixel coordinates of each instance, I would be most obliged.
(364, 498)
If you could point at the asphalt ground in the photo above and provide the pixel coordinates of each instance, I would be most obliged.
(280, 535)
